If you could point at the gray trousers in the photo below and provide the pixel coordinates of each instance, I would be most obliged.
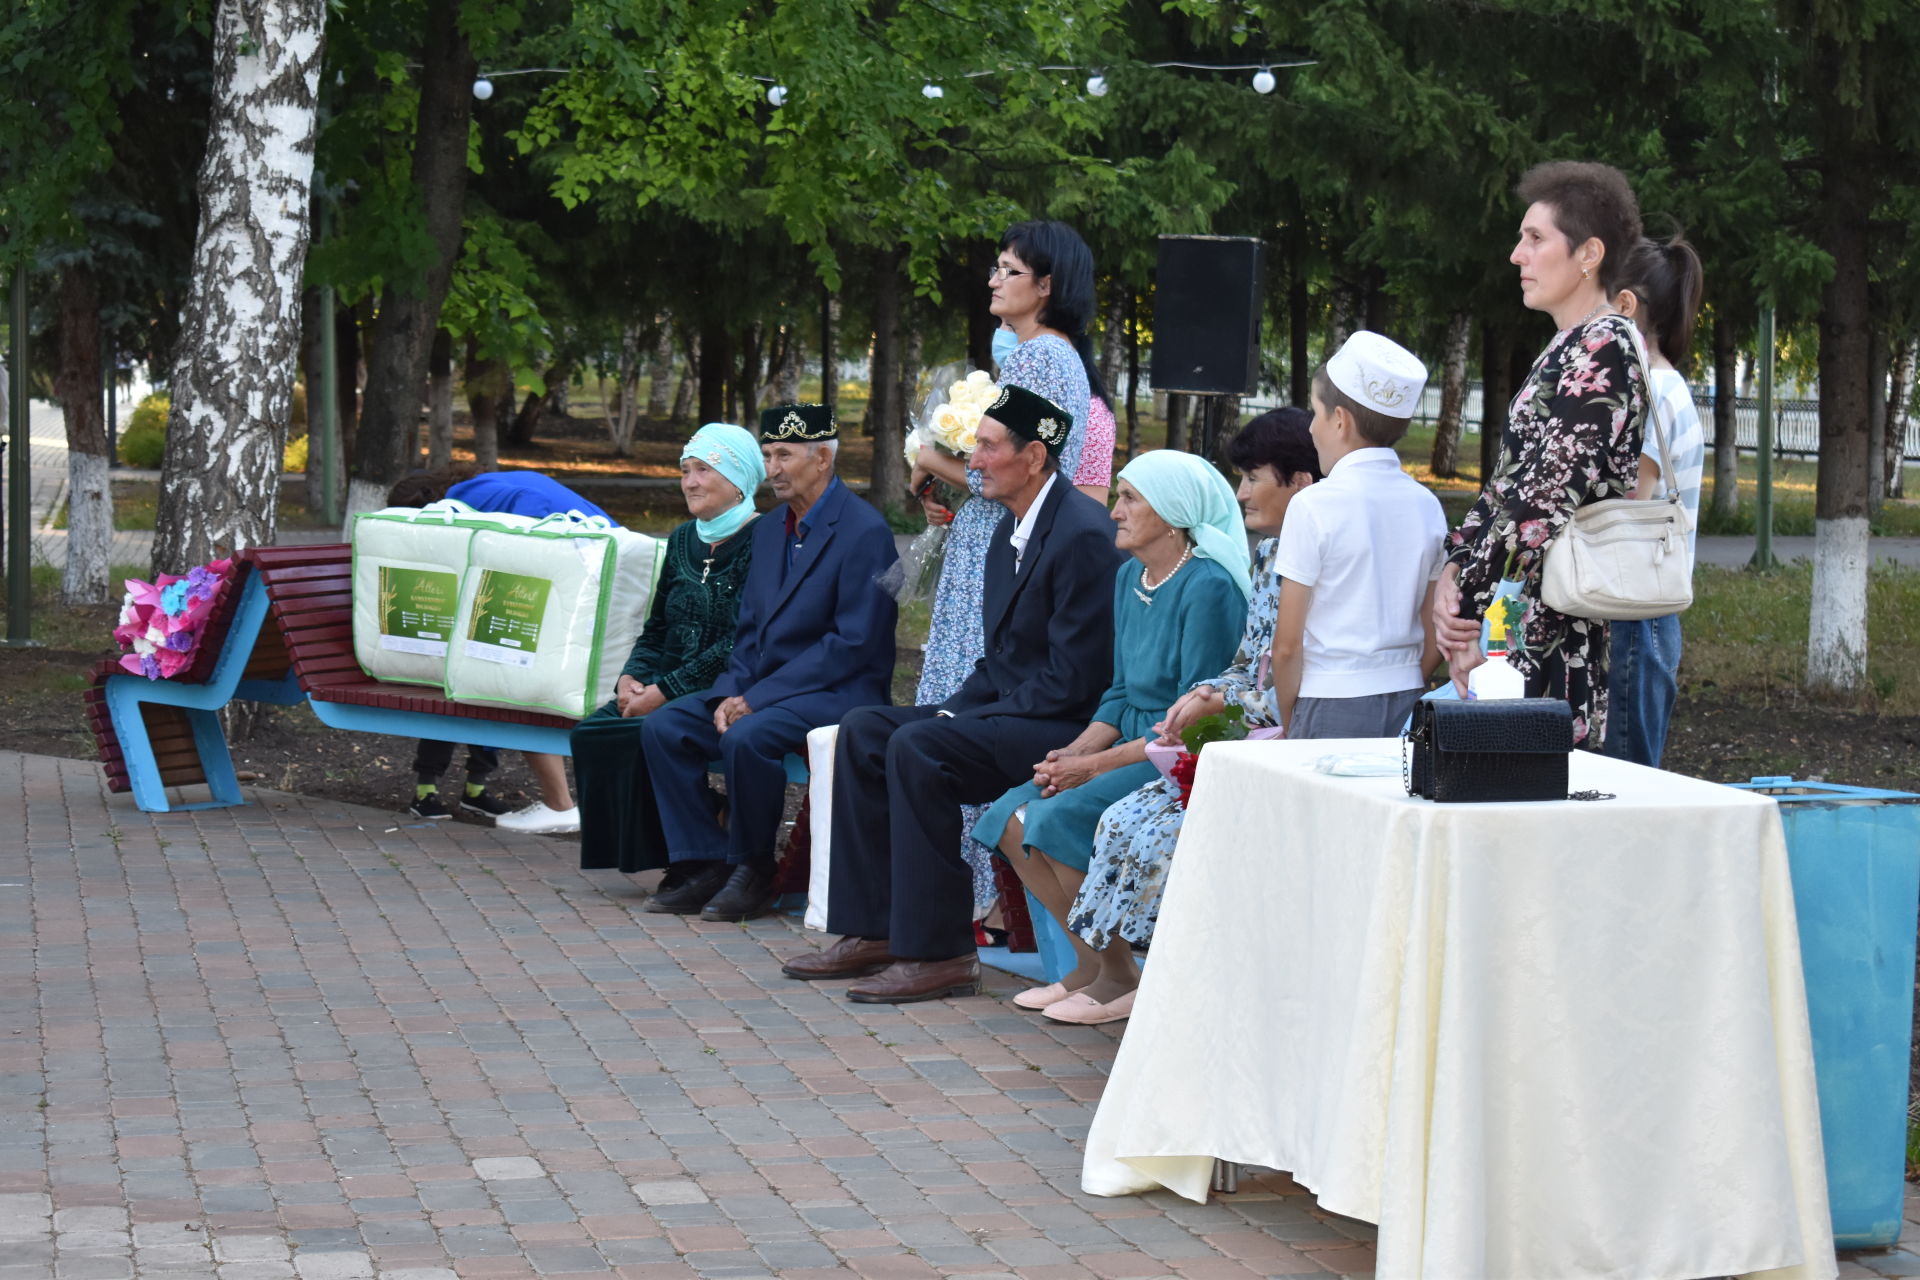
(1373, 715)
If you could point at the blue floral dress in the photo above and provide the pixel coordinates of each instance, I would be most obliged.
(1134, 841)
(1049, 366)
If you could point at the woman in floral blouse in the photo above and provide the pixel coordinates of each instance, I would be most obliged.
(1572, 437)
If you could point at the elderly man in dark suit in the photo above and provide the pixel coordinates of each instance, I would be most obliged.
(814, 641)
(900, 891)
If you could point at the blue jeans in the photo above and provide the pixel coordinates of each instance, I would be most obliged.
(1643, 663)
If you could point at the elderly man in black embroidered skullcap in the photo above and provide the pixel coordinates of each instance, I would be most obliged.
(900, 891)
(814, 641)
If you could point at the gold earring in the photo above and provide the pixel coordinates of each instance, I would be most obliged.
(1585, 274)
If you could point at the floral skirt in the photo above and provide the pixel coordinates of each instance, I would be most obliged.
(1132, 853)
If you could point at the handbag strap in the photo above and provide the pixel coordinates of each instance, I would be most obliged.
(1653, 410)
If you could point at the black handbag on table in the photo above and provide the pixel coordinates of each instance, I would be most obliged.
(1500, 749)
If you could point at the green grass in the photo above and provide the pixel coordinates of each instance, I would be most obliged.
(136, 507)
(1747, 634)
(82, 629)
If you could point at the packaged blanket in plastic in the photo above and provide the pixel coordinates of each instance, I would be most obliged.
(408, 564)
(547, 615)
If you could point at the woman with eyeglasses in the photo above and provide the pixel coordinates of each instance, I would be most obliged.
(1042, 287)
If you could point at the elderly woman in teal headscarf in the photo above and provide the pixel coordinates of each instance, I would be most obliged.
(1177, 609)
(683, 647)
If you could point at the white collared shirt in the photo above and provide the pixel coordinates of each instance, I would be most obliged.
(1367, 539)
(1024, 528)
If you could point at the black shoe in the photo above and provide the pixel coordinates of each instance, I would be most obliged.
(485, 803)
(748, 893)
(692, 893)
(429, 807)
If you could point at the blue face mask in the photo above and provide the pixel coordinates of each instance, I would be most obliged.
(1004, 341)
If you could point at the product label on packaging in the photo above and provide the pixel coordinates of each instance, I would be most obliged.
(417, 609)
(507, 612)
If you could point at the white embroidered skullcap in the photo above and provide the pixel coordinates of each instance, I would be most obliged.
(1379, 373)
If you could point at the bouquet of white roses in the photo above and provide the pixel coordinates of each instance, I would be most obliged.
(950, 418)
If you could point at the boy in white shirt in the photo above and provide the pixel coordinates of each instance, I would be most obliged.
(1358, 557)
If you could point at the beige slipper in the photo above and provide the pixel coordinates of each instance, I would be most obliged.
(1083, 1010)
(1041, 997)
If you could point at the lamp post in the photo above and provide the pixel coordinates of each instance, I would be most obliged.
(1763, 451)
(19, 480)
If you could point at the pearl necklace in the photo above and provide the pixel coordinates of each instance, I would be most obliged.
(1144, 592)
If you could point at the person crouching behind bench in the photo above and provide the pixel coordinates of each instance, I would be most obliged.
(814, 640)
(901, 892)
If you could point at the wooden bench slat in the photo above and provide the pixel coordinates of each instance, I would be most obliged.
(329, 569)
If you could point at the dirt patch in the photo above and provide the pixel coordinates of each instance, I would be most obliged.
(1722, 738)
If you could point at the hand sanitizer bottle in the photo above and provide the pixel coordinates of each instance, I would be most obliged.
(1496, 677)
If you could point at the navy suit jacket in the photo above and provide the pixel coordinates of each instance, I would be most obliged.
(817, 640)
(1049, 623)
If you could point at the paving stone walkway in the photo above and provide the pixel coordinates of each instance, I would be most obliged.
(314, 1041)
(300, 1038)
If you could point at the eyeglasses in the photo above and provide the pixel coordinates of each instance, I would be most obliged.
(1008, 273)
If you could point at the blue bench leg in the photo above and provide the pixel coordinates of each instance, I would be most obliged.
(216, 761)
(143, 772)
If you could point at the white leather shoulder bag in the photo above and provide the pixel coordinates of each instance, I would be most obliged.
(1623, 559)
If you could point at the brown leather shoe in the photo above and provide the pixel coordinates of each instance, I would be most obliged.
(850, 957)
(906, 981)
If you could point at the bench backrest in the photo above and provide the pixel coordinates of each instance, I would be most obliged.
(311, 590)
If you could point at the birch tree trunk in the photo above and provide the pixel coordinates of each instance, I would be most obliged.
(410, 310)
(1453, 396)
(786, 378)
(1726, 422)
(683, 394)
(1899, 418)
(489, 387)
(89, 490)
(240, 328)
(440, 402)
(660, 372)
(622, 413)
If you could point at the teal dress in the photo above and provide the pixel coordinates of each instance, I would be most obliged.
(1160, 650)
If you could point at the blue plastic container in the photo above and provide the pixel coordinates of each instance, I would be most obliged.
(1854, 854)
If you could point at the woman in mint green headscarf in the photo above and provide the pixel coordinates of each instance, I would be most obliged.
(685, 643)
(1178, 606)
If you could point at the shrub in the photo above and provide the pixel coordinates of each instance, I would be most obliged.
(143, 442)
(293, 458)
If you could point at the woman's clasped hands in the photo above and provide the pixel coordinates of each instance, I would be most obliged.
(636, 699)
(1065, 769)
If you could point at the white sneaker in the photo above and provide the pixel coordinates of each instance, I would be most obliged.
(539, 820)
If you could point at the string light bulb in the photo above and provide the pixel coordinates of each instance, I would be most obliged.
(483, 88)
(1263, 81)
(932, 91)
(1096, 85)
(777, 95)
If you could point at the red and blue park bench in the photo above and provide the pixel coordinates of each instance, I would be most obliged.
(283, 633)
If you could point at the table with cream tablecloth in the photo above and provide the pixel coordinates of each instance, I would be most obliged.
(1556, 1041)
